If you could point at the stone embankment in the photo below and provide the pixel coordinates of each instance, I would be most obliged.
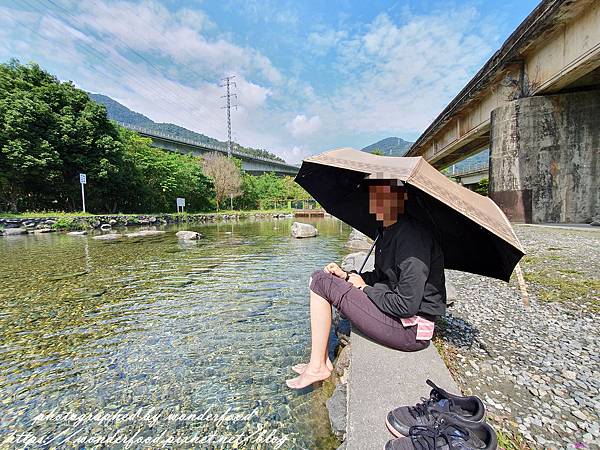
(14, 226)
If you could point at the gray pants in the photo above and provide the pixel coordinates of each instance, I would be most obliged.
(363, 314)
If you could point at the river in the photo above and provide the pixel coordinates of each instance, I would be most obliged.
(154, 338)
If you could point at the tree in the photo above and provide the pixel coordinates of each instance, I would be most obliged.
(225, 174)
(482, 187)
(50, 131)
(377, 151)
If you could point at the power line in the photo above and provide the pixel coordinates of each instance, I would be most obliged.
(227, 83)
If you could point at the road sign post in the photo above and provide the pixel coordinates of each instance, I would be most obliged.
(83, 180)
(180, 203)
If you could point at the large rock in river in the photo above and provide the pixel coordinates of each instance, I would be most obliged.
(353, 261)
(358, 241)
(188, 235)
(303, 230)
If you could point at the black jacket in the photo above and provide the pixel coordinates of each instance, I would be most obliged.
(409, 271)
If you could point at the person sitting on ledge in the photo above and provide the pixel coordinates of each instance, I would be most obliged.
(397, 303)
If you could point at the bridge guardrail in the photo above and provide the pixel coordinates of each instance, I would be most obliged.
(471, 168)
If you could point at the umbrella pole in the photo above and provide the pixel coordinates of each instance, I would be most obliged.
(368, 254)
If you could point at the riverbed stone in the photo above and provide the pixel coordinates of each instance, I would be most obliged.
(77, 233)
(108, 237)
(303, 230)
(145, 233)
(188, 235)
(105, 226)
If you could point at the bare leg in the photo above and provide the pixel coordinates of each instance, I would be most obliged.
(320, 324)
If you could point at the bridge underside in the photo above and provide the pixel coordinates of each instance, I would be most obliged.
(536, 105)
(555, 50)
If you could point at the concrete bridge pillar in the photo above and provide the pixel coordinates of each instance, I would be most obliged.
(545, 158)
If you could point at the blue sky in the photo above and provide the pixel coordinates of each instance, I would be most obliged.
(311, 75)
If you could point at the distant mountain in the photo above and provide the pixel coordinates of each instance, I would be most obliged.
(392, 146)
(120, 113)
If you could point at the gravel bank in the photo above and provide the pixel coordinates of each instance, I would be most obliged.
(537, 367)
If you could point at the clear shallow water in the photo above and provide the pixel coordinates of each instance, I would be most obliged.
(205, 328)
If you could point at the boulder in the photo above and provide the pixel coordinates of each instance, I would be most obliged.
(303, 230)
(353, 261)
(105, 226)
(358, 241)
(144, 233)
(14, 231)
(112, 222)
(188, 235)
(77, 233)
(108, 237)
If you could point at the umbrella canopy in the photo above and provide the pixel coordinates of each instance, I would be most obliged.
(474, 233)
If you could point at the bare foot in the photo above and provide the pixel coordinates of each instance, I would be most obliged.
(309, 376)
(300, 367)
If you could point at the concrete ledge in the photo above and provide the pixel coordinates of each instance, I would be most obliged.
(382, 379)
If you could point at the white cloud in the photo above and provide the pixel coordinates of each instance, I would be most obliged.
(399, 76)
(321, 42)
(302, 126)
(150, 27)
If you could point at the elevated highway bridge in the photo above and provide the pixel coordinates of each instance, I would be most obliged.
(250, 163)
(536, 105)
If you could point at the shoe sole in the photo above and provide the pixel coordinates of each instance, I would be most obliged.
(393, 430)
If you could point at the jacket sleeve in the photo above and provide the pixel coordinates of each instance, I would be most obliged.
(404, 298)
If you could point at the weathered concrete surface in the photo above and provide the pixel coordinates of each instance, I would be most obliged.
(382, 379)
(545, 158)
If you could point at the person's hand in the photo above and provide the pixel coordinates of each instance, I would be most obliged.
(356, 280)
(334, 269)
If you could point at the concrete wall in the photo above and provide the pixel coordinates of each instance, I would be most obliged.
(545, 158)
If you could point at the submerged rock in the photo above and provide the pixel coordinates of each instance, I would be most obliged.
(108, 237)
(303, 230)
(144, 233)
(188, 235)
(77, 233)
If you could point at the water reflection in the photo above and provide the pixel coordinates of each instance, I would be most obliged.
(155, 322)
